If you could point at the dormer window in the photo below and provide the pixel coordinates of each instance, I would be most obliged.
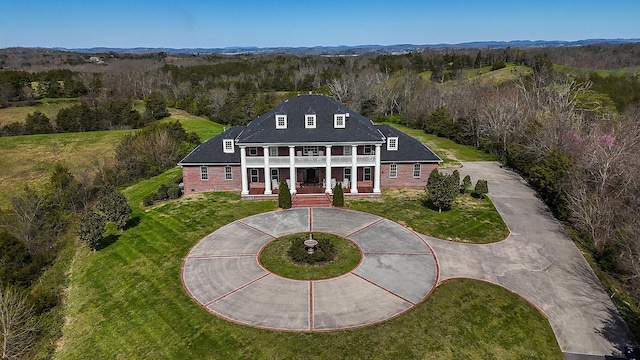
(310, 121)
(339, 121)
(227, 146)
(392, 143)
(281, 121)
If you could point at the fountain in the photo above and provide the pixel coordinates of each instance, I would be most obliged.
(310, 244)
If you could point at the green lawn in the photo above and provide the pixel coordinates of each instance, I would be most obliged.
(49, 107)
(275, 257)
(446, 149)
(469, 219)
(29, 158)
(126, 301)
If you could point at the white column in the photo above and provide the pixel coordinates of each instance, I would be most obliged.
(292, 169)
(267, 171)
(376, 175)
(243, 171)
(327, 171)
(354, 169)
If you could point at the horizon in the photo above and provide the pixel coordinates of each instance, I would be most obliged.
(285, 23)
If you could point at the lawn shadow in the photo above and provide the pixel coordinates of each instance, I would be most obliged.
(107, 241)
(132, 222)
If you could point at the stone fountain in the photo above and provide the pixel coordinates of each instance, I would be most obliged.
(310, 244)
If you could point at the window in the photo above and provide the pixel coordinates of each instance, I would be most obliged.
(274, 174)
(227, 146)
(254, 176)
(253, 151)
(310, 150)
(416, 170)
(346, 150)
(368, 150)
(281, 121)
(347, 174)
(204, 173)
(392, 143)
(310, 121)
(227, 173)
(393, 171)
(273, 151)
(366, 175)
(338, 121)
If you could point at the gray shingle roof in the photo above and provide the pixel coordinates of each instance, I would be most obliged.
(358, 129)
(409, 149)
(211, 152)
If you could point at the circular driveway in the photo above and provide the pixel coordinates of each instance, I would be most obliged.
(398, 270)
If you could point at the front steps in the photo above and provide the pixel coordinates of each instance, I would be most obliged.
(311, 201)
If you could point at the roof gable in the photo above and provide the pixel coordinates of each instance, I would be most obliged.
(211, 151)
(357, 127)
(409, 149)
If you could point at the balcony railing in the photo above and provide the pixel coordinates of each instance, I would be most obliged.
(311, 161)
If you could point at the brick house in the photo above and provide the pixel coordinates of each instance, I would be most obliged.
(313, 143)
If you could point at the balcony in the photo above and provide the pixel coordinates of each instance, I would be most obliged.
(311, 161)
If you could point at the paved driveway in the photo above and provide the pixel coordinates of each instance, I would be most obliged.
(541, 263)
(538, 261)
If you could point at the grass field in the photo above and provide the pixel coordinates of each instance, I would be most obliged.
(450, 152)
(28, 159)
(469, 219)
(49, 107)
(126, 301)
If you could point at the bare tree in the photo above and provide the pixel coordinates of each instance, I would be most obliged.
(18, 326)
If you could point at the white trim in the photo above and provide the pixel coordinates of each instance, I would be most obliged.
(392, 143)
(419, 170)
(364, 173)
(251, 175)
(339, 121)
(227, 146)
(204, 173)
(273, 151)
(310, 121)
(230, 172)
(393, 171)
(281, 121)
(346, 150)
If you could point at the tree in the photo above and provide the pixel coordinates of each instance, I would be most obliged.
(156, 106)
(92, 227)
(18, 327)
(114, 207)
(338, 196)
(37, 123)
(481, 188)
(441, 189)
(284, 196)
(466, 184)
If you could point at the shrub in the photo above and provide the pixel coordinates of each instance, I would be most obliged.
(163, 192)
(174, 191)
(466, 184)
(149, 199)
(284, 196)
(324, 252)
(338, 196)
(481, 189)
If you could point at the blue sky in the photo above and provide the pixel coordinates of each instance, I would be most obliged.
(208, 24)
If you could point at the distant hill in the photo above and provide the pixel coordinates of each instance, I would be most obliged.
(344, 50)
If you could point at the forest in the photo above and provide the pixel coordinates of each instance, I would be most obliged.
(566, 118)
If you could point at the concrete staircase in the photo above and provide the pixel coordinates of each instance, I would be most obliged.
(311, 201)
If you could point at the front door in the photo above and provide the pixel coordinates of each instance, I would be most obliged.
(311, 176)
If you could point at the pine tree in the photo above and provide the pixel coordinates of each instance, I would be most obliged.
(338, 196)
(466, 184)
(481, 188)
(284, 196)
